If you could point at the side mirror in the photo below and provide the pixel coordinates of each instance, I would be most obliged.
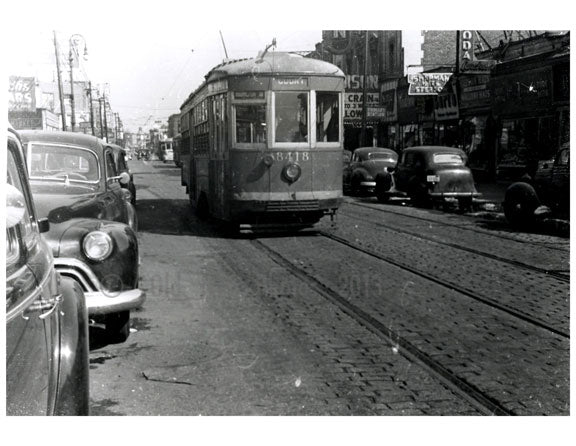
(124, 178)
(15, 206)
(43, 225)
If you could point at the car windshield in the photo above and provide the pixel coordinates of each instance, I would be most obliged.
(62, 163)
(382, 156)
(448, 158)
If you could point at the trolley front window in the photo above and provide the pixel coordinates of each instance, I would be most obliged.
(327, 118)
(291, 116)
(251, 123)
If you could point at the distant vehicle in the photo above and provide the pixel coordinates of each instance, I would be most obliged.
(262, 142)
(120, 157)
(546, 193)
(92, 233)
(359, 176)
(429, 173)
(165, 150)
(47, 369)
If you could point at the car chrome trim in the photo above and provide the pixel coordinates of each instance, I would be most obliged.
(112, 302)
(98, 300)
(20, 307)
(368, 183)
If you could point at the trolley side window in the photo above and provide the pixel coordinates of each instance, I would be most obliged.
(327, 117)
(291, 116)
(250, 123)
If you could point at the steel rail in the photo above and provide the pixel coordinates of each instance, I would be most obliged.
(484, 403)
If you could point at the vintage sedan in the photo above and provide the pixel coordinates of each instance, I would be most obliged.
(92, 233)
(359, 175)
(545, 193)
(429, 173)
(120, 158)
(47, 369)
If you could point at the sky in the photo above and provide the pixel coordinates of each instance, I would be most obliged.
(149, 55)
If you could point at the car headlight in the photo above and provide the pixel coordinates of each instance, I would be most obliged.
(97, 245)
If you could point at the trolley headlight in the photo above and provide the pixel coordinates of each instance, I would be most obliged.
(291, 172)
(97, 245)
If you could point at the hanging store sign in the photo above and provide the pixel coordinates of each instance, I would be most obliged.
(446, 103)
(427, 83)
(21, 93)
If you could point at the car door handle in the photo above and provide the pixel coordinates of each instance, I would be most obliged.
(46, 307)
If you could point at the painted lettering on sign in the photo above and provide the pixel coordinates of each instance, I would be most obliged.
(427, 83)
(291, 82)
(21, 93)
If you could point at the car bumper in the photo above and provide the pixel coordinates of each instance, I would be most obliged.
(454, 194)
(98, 299)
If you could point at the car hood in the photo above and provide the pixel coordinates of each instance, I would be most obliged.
(75, 202)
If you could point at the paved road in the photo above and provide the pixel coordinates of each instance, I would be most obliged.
(403, 312)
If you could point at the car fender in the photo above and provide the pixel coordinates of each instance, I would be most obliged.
(73, 353)
(120, 270)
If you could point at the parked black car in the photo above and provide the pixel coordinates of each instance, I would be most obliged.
(359, 175)
(92, 233)
(47, 369)
(429, 173)
(545, 193)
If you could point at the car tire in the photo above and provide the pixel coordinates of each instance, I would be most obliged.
(465, 204)
(355, 188)
(383, 185)
(117, 327)
(520, 202)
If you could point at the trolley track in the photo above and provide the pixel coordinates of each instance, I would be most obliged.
(469, 392)
(560, 275)
(484, 300)
(442, 223)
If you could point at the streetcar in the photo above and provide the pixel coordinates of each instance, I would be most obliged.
(261, 142)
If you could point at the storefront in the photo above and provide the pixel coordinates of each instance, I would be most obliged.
(446, 115)
(530, 101)
(388, 131)
(353, 108)
(476, 124)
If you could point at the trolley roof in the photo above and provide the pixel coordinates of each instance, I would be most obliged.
(272, 63)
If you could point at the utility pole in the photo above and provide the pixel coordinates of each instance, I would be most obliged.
(364, 91)
(100, 113)
(72, 108)
(91, 108)
(105, 118)
(60, 92)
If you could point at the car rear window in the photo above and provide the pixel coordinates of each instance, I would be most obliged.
(381, 156)
(448, 158)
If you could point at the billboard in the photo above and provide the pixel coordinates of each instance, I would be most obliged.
(21, 93)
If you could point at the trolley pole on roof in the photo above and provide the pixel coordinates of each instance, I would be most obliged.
(223, 44)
